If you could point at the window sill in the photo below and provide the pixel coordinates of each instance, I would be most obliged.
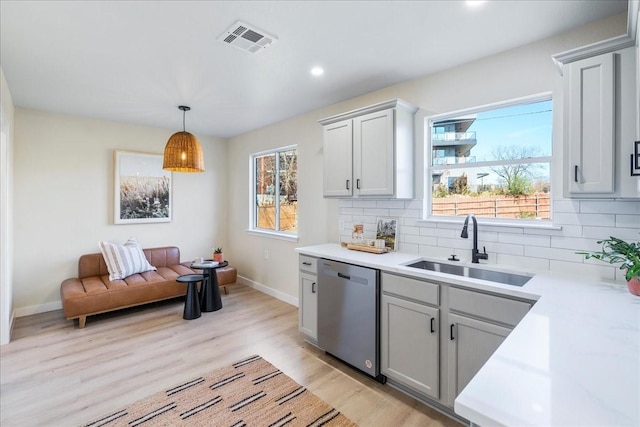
(274, 235)
(494, 223)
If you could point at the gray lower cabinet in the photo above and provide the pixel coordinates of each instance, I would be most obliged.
(308, 298)
(477, 324)
(410, 344)
(436, 336)
(471, 343)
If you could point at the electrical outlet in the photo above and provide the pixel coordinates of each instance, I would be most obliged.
(266, 254)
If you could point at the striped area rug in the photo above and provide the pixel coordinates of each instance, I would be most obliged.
(251, 392)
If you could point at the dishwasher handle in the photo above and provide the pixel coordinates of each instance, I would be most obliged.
(344, 276)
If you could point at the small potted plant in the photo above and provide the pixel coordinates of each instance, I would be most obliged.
(616, 251)
(217, 254)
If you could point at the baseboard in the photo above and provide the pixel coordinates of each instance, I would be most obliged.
(269, 291)
(40, 308)
(57, 305)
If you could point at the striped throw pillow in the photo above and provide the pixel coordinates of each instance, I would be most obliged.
(124, 260)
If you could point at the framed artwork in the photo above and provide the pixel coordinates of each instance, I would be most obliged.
(142, 188)
(388, 230)
(635, 159)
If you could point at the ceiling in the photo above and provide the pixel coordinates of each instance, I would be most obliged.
(136, 61)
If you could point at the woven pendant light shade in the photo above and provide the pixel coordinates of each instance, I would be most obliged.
(183, 154)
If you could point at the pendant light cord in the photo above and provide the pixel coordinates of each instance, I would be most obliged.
(184, 112)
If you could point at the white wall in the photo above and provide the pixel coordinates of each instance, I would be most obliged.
(64, 199)
(6, 210)
(515, 73)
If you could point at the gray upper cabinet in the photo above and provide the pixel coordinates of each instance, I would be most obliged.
(369, 151)
(600, 116)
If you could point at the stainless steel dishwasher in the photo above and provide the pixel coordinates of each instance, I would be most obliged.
(348, 315)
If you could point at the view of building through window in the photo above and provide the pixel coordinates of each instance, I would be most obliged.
(493, 163)
(276, 190)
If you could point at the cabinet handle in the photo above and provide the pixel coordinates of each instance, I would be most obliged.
(433, 329)
(347, 184)
(306, 263)
(358, 183)
(575, 173)
(313, 287)
(451, 331)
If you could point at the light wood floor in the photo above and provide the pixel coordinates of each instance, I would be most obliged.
(54, 374)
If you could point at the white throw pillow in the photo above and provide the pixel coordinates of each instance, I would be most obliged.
(124, 260)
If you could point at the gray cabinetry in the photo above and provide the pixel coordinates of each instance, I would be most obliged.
(308, 297)
(410, 324)
(600, 117)
(477, 323)
(369, 151)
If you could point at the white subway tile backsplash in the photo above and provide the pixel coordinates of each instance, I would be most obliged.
(488, 236)
(394, 204)
(406, 230)
(610, 206)
(528, 263)
(406, 213)
(575, 243)
(376, 212)
(409, 248)
(553, 253)
(606, 232)
(629, 221)
(360, 203)
(413, 204)
(502, 248)
(563, 205)
(606, 220)
(582, 223)
(525, 239)
(351, 211)
(420, 240)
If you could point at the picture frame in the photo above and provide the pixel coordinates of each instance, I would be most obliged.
(387, 229)
(142, 189)
(635, 159)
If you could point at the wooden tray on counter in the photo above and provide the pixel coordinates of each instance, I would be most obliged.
(369, 249)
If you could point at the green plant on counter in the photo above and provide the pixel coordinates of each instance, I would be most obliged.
(615, 251)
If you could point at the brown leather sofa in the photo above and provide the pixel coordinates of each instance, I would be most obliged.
(92, 292)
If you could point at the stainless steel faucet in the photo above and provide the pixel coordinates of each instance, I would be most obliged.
(475, 254)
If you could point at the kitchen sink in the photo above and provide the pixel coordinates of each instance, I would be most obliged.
(512, 279)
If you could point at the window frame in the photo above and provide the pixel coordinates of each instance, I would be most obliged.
(253, 206)
(507, 222)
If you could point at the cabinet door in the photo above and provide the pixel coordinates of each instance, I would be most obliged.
(338, 159)
(471, 343)
(308, 310)
(373, 148)
(409, 344)
(590, 125)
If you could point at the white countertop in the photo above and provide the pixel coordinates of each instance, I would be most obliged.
(573, 360)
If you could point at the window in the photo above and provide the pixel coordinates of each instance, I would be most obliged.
(494, 161)
(275, 192)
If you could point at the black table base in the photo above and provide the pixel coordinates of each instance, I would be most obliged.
(191, 302)
(210, 298)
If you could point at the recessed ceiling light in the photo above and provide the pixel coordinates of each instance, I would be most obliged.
(475, 3)
(317, 71)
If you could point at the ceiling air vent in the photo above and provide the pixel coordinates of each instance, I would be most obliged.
(247, 38)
